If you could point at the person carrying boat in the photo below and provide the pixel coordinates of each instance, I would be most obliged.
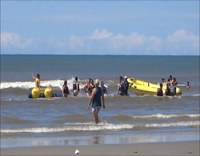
(121, 87)
(160, 91)
(170, 78)
(174, 81)
(126, 85)
(167, 91)
(173, 89)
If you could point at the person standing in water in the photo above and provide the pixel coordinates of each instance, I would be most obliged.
(121, 87)
(89, 87)
(188, 84)
(96, 100)
(65, 89)
(160, 90)
(37, 80)
(37, 84)
(126, 85)
(103, 88)
(76, 86)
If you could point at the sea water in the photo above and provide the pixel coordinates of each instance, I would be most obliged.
(126, 119)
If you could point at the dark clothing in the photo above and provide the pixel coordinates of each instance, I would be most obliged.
(97, 98)
(167, 92)
(121, 88)
(74, 86)
(66, 90)
(159, 92)
(126, 85)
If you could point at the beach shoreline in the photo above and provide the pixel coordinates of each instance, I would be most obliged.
(159, 148)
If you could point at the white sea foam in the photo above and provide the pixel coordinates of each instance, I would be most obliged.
(30, 84)
(175, 124)
(17, 84)
(167, 116)
(70, 127)
(99, 127)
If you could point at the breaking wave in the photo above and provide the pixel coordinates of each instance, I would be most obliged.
(165, 116)
(48, 83)
(30, 84)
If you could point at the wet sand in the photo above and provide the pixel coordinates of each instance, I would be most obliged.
(176, 148)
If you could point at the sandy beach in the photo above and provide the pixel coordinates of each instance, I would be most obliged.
(175, 148)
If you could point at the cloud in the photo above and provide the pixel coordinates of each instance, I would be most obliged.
(101, 34)
(184, 41)
(133, 43)
(14, 40)
(180, 42)
(182, 36)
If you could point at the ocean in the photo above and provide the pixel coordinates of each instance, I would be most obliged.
(126, 119)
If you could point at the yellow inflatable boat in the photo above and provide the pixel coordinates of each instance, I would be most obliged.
(41, 93)
(141, 87)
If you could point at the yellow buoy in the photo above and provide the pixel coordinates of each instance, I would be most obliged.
(48, 92)
(35, 93)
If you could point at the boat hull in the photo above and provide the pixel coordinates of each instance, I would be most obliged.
(141, 87)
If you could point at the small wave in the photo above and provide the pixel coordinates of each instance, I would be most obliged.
(101, 126)
(156, 116)
(165, 116)
(178, 124)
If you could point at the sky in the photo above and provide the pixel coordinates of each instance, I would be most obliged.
(100, 27)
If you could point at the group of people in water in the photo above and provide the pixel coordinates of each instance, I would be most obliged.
(92, 88)
(90, 85)
(96, 90)
(170, 87)
(76, 88)
(88, 88)
(122, 87)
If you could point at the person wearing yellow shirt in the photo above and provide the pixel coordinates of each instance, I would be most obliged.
(37, 80)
